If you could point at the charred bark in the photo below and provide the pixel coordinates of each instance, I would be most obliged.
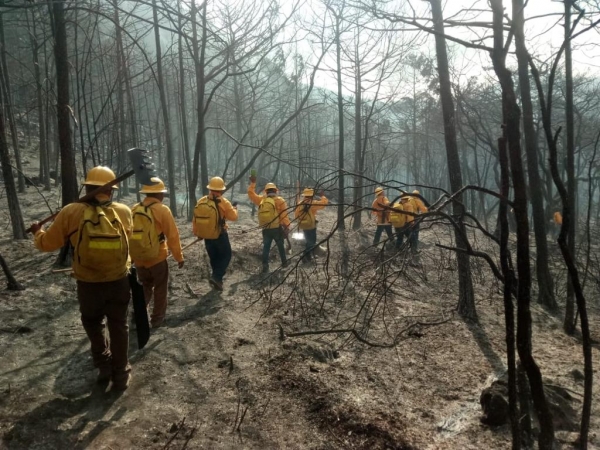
(512, 119)
(466, 301)
(544, 278)
(509, 282)
(68, 170)
(11, 282)
(165, 113)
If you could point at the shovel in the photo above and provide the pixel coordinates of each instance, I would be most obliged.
(142, 168)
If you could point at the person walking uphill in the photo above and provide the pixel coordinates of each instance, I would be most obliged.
(382, 213)
(210, 216)
(154, 229)
(272, 218)
(399, 220)
(418, 208)
(557, 221)
(306, 214)
(98, 232)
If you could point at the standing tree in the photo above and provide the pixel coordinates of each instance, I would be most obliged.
(165, 112)
(63, 109)
(544, 278)
(512, 122)
(14, 209)
(466, 301)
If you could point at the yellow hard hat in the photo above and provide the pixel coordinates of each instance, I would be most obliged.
(99, 176)
(404, 197)
(378, 190)
(158, 188)
(416, 192)
(216, 184)
(308, 192)
(270, 186)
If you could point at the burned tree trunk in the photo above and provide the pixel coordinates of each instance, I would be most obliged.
(14, 208)
(358, 180)
(5, 82)
(11, 282)
(63, 110)
(466, 301)
(509, 281)
(544, 278)
(569, 323)
(512, 118)
(200, 158)
(165, 113)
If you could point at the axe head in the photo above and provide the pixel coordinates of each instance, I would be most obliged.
(142, 165)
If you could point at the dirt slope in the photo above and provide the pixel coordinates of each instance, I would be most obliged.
(218, 376)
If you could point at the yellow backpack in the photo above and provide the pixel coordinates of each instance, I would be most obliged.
(268, 217)
(397, 219)
(307, 217)
(101, 252)
(207, 220)
(145, 241)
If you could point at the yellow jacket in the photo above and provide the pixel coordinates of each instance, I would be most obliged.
(165, 224)
(397, 218)
(409, 207)
(280, 204)
(418, 205)
(558, 218)
(383, 214)
(315, 205)
(66, 227)
(226, 210)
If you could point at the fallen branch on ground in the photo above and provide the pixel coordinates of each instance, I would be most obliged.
(356, 334)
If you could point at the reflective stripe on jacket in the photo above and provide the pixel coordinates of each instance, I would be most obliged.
(66, 227)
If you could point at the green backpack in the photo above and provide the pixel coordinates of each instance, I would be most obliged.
(145, 241)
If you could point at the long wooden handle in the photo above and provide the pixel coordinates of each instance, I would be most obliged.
(191, 243)
(186, 247)
(90, 196)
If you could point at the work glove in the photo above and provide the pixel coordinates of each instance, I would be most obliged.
(180, 264)
(252, 179)
(286, 231)
(234, 204)
(322, 193)
(35, 227)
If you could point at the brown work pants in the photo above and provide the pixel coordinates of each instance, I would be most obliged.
(107, 299)
(155, 280)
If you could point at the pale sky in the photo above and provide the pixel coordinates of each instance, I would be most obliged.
(544, 32)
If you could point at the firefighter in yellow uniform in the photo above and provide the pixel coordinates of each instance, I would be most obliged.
(557, 223)
(418, 208)
(218, 246)
(273, 219)
(100, 266)
(381, 211)
(306, 214)
(153, 270)
(399, 219)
